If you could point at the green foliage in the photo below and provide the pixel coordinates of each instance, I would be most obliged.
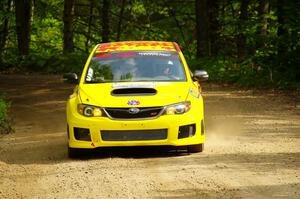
(72, 62)
(258, 71)
(5, 124)
(263, 64)
(46, 39)
(219, 68)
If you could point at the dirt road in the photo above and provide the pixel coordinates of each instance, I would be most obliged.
(252, 150)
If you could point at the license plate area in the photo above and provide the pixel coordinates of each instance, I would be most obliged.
(134, 135)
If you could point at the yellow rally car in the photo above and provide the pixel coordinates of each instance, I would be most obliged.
(136, 93)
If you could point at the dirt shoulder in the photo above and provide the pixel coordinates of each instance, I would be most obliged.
(252, 150)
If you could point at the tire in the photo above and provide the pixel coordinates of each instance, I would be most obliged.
(195, 148)
(74, 153)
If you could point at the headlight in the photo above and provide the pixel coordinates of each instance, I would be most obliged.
(179, 108)
(89, 111)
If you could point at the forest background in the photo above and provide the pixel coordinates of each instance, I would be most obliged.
(248, 42)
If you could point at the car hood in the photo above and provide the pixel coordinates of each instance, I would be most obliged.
(104, 94)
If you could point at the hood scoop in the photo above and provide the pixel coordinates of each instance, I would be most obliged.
(133, 92)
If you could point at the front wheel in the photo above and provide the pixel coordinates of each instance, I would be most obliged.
(195, 148)
(74, 153)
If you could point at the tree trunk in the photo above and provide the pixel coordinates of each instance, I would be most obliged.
(105, 20)
(23, 25)
(213, 29)
(5, 28)
(120, 20)
(263, 11)
(241, 38)
(282, 33)
(91, 15)
(68, 26)
(202, 28)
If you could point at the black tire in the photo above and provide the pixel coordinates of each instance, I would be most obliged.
(74, 153)
(195, 148)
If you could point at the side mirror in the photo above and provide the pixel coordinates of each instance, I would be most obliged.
(71, 78)
(200, 75)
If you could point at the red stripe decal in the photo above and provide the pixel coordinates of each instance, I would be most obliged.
(126, 54)
(103, 55)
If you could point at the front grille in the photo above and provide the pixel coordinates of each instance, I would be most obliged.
(138, 113)
(134, 135)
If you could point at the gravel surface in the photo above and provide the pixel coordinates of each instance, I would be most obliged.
(252, 150)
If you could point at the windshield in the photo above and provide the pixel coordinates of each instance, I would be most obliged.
(135, 66)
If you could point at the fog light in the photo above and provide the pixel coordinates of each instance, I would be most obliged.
(186, 131)
(82, 134)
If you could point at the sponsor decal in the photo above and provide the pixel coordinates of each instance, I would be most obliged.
(155, 54)
(135, 54)
(195, 94)
(133, 102)
(132, 45)
(126, 54)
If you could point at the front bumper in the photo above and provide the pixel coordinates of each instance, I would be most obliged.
(170, 123)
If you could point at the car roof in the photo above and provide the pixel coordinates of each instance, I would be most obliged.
(136, 45)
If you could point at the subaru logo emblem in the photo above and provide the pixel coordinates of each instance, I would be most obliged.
(134, 110)
(133, 102)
